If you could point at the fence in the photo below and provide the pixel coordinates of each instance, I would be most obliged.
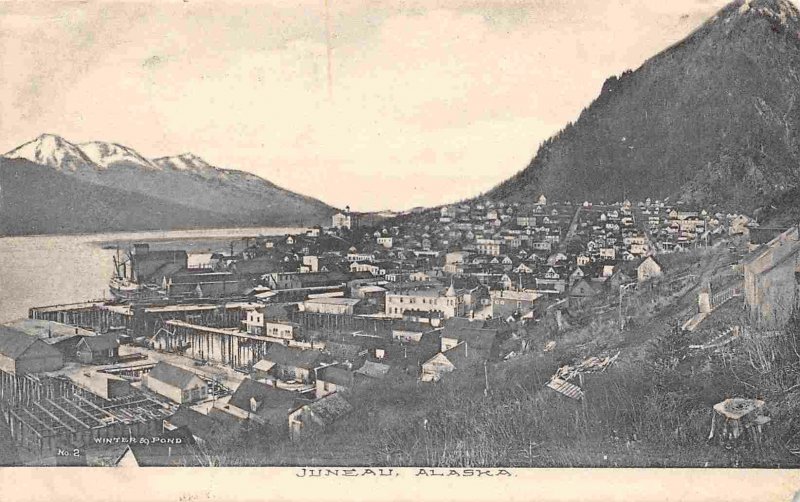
(723, 296)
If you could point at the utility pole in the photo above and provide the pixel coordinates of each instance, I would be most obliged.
(486, 379)
(622, 290)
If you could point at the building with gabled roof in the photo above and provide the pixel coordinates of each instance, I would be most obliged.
(334, 379)
(100, 349)
(618, 278)
(648, 269)
(317, 415)
(22, 354)
(292, 364)
(264, 403)
(176, 383)
(480, 336)
(582, 292)
(461, 356)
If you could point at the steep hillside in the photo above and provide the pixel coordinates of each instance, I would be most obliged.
(712, 119)
(202, 195)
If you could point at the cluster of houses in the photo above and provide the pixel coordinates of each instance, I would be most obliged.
(318, 316)
(678, 229)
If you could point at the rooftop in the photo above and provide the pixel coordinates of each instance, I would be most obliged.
(332, 301)
(287, 356)
(47, 329)
(172, 375)
(330, 408)
(13, 343)
(266, 398)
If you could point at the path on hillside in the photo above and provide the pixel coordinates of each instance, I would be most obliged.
(636, 213)
(573, 227)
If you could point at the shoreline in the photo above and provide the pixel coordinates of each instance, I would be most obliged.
(206, 233)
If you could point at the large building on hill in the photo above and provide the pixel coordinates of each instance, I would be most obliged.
(344, 219)
(771, 279)
(448, 302)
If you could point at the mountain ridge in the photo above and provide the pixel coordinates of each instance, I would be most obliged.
(712, 119)
(186, 183)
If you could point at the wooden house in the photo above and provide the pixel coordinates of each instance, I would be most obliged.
(618, 278)
(576, 275)
(648, 269)
(261, 370)
(100, 349)
(265, 404)
(291, 363)
(458, 357)
(581, 293)
(22, 354)
(178, 384)
(317, 415)
(332, 379)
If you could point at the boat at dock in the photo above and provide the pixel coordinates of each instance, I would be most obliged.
(134, 272)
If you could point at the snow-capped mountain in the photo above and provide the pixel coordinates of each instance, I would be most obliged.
(56, 152)
(184, 162)
(113, 187)
(53, 151)
(107, 155)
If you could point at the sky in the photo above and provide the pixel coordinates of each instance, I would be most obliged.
(430, 102)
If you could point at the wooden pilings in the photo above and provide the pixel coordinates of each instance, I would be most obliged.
(336, 323)
(94, 317)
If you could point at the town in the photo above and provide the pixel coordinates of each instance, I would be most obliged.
(279, 339)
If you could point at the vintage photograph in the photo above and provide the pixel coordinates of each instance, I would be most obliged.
(343, 236)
